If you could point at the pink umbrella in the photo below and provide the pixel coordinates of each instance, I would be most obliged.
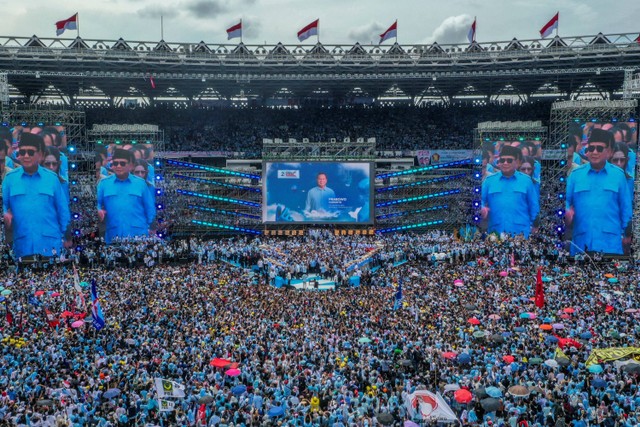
(494, 316)
(504, 273)
(77, 324)
(234, 372)
(569, 310)
(631, 310)
(458, 282)
(449, 355)
(532, 315)
(55, 294)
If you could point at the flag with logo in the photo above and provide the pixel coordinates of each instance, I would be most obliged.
(96, 311)
(166, 405)
(428, 406)
(168, 388)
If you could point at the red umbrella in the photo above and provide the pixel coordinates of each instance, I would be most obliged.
(462, 396)
(219, 363)
(67, 313)
(565, 316)
(609, 309)
(55, 294)
(569, 310)
(39, 293)
(449, 355)
(508, 358)
(474, 321)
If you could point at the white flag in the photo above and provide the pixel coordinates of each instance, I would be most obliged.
(166, 405)
(168, 388)
(429, 406)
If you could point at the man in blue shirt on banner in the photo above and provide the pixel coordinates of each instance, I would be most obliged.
(33, 202)
(318, 197)
(598, 203)
(509, 197)
(125, 200)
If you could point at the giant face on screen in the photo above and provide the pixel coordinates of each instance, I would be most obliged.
(34, 170)
(125, 190)
(511, 171)
(317, 192)
(599, 195)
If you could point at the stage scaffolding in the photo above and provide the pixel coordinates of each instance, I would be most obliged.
(359, 149)
(567, 112)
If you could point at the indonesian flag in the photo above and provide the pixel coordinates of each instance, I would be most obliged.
(539, 289)
(67, 24)
(152, 82)
(471, 36)
(638, 39)
(550, 26)
(392, 31)
(309, 30)
(234, 31)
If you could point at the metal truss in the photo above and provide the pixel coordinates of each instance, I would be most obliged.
(565, 113)
(116, 134)
(294, 150)
(186, 70)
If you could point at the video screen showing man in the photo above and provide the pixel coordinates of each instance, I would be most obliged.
(125, 200)
(599, 199)
(34, 203)
(317, 192)
(510, 201)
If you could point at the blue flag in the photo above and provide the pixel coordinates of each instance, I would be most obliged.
(96, 310)
(398, 301)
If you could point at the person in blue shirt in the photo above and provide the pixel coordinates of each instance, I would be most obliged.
(509, 198)
(598, 203)
(125, 202)
(318, 197)
(34, 205)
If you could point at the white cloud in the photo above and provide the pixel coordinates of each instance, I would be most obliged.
(453, 29)
(366, 33)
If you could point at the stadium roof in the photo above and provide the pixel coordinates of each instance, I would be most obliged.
(123, 68)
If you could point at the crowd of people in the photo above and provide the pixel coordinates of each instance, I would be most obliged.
(202, 128)
(454, 316)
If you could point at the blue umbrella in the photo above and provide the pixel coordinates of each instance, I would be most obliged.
(519, 329)
(464, 358)
(547, 319)
(2, 299)
(112, 392)
(493, 391)
(612, 280)
(506, 334)
(551, 339)
(524, 315)
(238, 389)
(599, 383)
(275, 411)
(595, 369)
(546, 279)
(586, 335)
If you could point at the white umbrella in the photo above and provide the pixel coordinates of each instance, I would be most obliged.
(551, 363)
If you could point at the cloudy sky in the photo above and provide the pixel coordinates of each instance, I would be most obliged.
(341, 21)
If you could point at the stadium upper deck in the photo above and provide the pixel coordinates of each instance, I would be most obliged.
(191, 71)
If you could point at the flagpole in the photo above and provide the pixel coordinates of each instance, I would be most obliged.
(318, 33)
(396, 30)
(557, 23)
(161, 27)
(241, 30)
(78, 24)
(475, 27)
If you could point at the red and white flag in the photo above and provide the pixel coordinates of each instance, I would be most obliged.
(234, 31)
(428, 406)
(309, 30)
(638, 39)
(152, 82)
(471, 35)
(550, 26)
(67, 24)
(392, 31)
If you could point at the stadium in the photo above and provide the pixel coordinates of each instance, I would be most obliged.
(316, 234)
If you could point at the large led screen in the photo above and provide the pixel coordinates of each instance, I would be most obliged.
(599, 195)
(34, 171)
(317, 192)
(511, 171)
(125, 190)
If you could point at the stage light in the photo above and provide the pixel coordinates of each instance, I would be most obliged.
(501, 139)
(5, 124)
(537, 138)
(74, 182)
(563, 145)
(160, 235)
(98, 142)
(562, 179)
(560, 212)
(477, 189)
(72, 165)
(158, 177)
(614, 120)
(476, 218)
(158, 191)
(560, 196)
(157, 162)
(478, 160)
(72, 149)
(76, 232)
(632, 120)
(40, 124)
(563, 162)
(75, 199)
(477, 175)
(57, 123)
(160, 206)
(594, 120)
(23, 123)
(133, 141)
(476, 204)
(76, 216)
(559, 229)
(520, 139)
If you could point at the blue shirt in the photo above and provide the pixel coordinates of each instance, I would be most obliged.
(513, 203)
(602, 206)
(129, 205)
(40, 211)
(318, 198)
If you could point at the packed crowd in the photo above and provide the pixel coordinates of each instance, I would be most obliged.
(463, 319)
(395, 128)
